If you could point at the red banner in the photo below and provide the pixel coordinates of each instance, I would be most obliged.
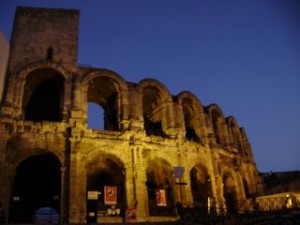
(110, 195)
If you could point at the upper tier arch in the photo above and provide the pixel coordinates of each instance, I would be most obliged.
(152, 83)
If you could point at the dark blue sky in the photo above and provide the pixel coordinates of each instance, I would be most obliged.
(242, 55)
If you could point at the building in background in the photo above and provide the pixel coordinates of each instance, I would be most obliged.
(281, 182)
(156, 149)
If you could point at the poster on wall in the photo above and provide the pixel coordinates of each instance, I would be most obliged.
(161, 199)
(110, 195)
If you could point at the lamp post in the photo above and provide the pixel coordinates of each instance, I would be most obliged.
(178, 172)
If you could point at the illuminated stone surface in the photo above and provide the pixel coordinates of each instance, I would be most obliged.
(50, 158)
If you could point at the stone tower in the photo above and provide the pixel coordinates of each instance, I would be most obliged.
(151, 140)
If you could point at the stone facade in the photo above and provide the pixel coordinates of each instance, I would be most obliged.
(49, 157)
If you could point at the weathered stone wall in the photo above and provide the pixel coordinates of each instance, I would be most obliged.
(148, 131)
(39, 34)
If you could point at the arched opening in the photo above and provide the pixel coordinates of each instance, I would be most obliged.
(152, 108)
(95, 116)
(230, 194)
(236, 136)
(189, 120)
(216, 126)
(105, 190)
(201, 189)
(103, 92)
(44, 96)
(159, 187)
(36, 185)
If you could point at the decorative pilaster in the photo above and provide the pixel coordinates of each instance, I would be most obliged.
(63, 205)
(141, 194)
(130, 186)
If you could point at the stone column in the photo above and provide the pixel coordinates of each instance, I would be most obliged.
(73, 207)
(81, 192)
(76, 112)
(62, 195)
(240, 187)
(139, 174)
(77, 189)
(186, 192)
(130, 186)
(141, 193)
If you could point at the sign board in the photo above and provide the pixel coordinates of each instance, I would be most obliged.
(178, 171)
(92, 195)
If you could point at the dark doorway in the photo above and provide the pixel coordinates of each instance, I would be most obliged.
(105, 174)
(159, 187)
(36, 185)
(230, 194)
(43, 97)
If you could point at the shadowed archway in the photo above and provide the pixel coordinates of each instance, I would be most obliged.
(230, 194)
(105, 188)
(160, 188)
(36, 185)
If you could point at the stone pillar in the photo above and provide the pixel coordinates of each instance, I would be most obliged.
(141, 193)
(240, 187)
(139, 174)
(130, 186)
(18, 97)
(73, 207)
(76, 112)
(62, 196)
(81, 192)
(77, 190)
(186, 192)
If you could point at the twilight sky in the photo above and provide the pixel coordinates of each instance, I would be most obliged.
(242, 55)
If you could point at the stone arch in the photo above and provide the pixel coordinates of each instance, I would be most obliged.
(155, 102)
(234, 134)
(218, 124)
(108, 90)
(230, 193)
(192, 113)
(16, 156)
(201, 187)
(36, 185)
(39, 86)
(160, 188)
(104, 173)
(45, 64)
(15, 83)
